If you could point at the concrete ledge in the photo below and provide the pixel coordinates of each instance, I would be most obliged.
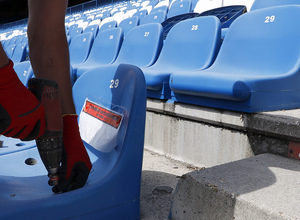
(208, 137)
(263, 187)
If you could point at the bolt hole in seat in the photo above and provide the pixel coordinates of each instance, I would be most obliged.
(113, 188)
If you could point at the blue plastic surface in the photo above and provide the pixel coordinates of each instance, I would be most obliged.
(108, 25)
(19, 54)
(259, 4)
(104, 51)
(80, 48)
(155, 17)
(22, 70)
(74, 32)
(180, 7)
(93, 29)
(9, 50)
(192, 44)
(141, 45)
(170, 22)
(129, 23)
(141, 14)
(113, 188)
(257, 68)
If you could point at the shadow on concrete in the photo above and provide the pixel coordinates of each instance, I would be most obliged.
(157, 193)
(212, 193)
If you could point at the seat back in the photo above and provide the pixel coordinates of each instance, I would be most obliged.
(108, 25)
(129, 23)
(190, 45)
(80, 48)
(179, 8)
(141, 14)
(9, 50)
(267, 45)
(106, 47)
(141, 45)
(93, 29)
(155, 17)
(74, 32)
(19, 54)
(22, 70)
(259, 4)
(161, 8)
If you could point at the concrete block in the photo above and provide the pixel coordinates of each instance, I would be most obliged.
(262, 187)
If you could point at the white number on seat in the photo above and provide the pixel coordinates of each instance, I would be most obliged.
(270, 19)
(114, 83)
(146, 34)
(194, 27)
(155, 17)
(111, 37)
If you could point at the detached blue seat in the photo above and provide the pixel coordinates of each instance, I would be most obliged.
(155, 17)
(190, 45)
(257, 68)
(104, 51)
(113, 188)
(79, 49)
(259, 4)
(19, 54)
(180, 7)
(129, 23)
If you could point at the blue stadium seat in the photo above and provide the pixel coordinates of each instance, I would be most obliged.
(129, 23)
(161, 8)
(73, 26)
(22, 70)
(155, 17)
(74, 32)
(191, 44)
(19, 54)
(106, 14)
(104, 51)
(108, 25)
(9, 50)
(113, 188)
(79, 49)
(141, 46)
(259, 4)
(257, 68)
(141, 14)
(180, 7)
(93, 29)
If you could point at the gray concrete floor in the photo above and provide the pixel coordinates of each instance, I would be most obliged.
(159, 179)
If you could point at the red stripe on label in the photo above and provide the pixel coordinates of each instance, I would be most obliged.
(102, 114)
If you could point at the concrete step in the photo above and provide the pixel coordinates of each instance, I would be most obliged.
(263, 187)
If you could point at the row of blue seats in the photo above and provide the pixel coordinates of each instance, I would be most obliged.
(257, 60)
(192, 46)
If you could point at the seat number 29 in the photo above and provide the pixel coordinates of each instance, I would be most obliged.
(114, 83)
(269, 19)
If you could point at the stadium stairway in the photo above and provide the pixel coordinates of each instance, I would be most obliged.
(249, 171)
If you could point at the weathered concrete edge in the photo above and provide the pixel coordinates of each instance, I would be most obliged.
(263, 187)
(279, 124)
